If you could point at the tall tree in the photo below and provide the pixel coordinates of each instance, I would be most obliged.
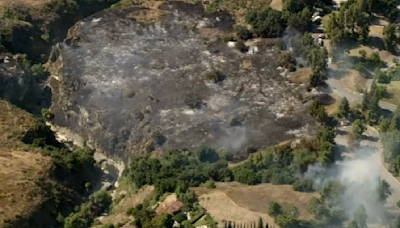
(260, 223)
(352, 224)
(358, 128)
(360, 216)
(344, 107)
(389, 36)
(384, 190)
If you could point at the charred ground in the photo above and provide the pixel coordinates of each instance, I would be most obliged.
(134, 87)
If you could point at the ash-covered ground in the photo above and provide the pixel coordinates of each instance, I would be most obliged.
(133, 87)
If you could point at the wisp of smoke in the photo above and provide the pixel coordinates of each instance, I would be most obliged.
(359, 175)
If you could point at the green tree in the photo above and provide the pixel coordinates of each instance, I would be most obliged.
(352, 224)
(395, 223)
(383, 190)
(243, 33)
(76, 220)
(274, 209)
(267, 22)
(108, 225)
(358, 128)
(289, 217)
(344, 107)
(317, 110)
(303, 185)
(300, 21)
(390, 36)
(360, 216)
(384, 125)
(207, 154)
(180, 217)
(47, 115)
(260, 223)
(331, 192)
(162, 221)
(375, 58)
(225, 154)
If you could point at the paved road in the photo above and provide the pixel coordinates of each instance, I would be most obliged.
(372, 132)
(339, 90)
(384, 173)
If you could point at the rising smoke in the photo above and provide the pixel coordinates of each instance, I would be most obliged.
(360, 175)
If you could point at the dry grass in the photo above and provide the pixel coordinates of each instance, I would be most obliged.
(244, 204)
(222, 208)
(385, 56)
(276, 4)
(351, 80)
(333, 108)
(29, 3)
(394, 89)
(301, 75)
(18, 168)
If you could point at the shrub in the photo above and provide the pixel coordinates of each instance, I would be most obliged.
(207, 154)
(241, 46)
(180, 217)
(234, 121)
(215, 76)
(287, 61)
(224, 153)
(243, 33)
(211, 185)
(303, 185)
(39, 72)
(46, 114)
(274, 209)
(158, 137)
(194, 101)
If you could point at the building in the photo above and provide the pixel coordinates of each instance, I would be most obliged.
(169, 207)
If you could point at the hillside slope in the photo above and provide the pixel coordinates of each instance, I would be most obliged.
(20, 167)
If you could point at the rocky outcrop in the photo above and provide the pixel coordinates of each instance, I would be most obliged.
(131, 88)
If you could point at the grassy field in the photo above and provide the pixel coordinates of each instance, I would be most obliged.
(245, 204)
(19, 168)
(394, 89)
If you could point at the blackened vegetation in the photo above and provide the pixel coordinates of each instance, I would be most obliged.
(194, 101)
(216, 76)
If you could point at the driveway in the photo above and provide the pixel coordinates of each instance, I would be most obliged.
(339, 90)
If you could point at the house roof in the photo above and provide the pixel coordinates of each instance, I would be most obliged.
(169, 208)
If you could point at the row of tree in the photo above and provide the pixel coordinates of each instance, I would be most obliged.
(259, 224)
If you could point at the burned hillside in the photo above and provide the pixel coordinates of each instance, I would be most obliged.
(135, 87)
